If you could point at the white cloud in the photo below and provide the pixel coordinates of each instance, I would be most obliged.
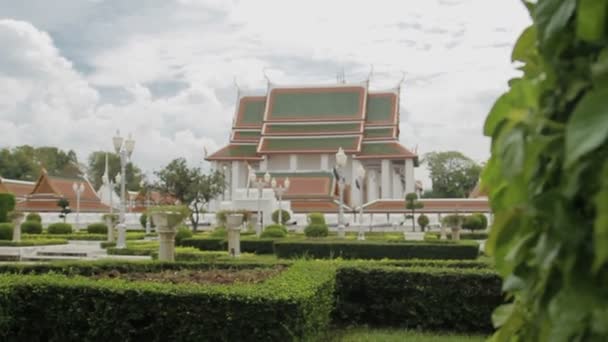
(455, 54)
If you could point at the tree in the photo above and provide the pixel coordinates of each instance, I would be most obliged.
(64, 204)
(453, 174)
(97, 166)
(25, 162)
(412, 203)
(190, 186)
(548, 177)
(423, 221)
(7, 204)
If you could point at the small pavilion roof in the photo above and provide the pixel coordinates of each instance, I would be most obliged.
(241, 135)
(250, 112)
(380, 133)
(236, 152)
(319, 144)
(18, 188)
(382, 109)
(318, 206)
(311, 185)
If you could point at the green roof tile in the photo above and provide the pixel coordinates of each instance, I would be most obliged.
(372, 133)
(270, 144)
(379, 150)
(251, 111)
(380, 108)
(247, 135)
(316, 104)
(234, 151)
(307, 129)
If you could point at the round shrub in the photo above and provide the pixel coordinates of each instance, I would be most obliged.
(97, 228)
(274, 231)
(7, 204)
(453, 221)
(472, 222)
(219, 232)
(183, 232)
(285, 216)
(6, 231)
(31, 227)
(423, 221)
(34, 217)
(316, 230)
(316, 218)
(59, 228)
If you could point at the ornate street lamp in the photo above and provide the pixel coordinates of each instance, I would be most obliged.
(361, 176)
(124, 148)
(279, 190)
(260, 184)
(341, 160)
(78, 190)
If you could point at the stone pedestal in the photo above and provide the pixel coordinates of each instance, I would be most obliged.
(233, 224)
(166, 235)
(455, 233)
(121, 242)
(444, 235)
(110, 225)
(17, 220)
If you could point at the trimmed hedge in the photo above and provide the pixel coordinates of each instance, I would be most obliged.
(316, 230)
(248, 245)
(59, 228)
(34, 217)
(31, 227)
(60, 308)
(274, 231)
(6, 231)
(285, 216)
(463, 235)
(183, 232)
(375, 250)
(97, 228)
(37, 242)
(193, 254)
(448, 299)
(81, 236)
(205, 244)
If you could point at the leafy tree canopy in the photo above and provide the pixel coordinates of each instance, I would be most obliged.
(453, 174)
(25, 162)
(97, 166)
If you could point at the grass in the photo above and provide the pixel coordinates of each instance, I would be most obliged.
(397, 335)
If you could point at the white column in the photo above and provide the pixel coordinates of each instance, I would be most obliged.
(385, 174)
(397, 186)
(324, 162)
(372, 185)
(410, 181)
(355, 194)
(228, 176)
(234, 184)
(264, 164)
(213, 165)
(293, 162)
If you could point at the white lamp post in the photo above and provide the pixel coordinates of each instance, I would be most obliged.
(340, 163)
(260, 184)
(109, 184)
(279, 190)
(361, 176)
(78, 189)
(124, 148)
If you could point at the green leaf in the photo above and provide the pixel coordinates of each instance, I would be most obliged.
(591, 19)
(599, 70)
(588, 125)
(600, 226)
(501, 314)
(551, 17)
(525, 45)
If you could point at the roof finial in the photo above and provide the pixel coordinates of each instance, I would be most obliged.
(371, 72)
(266, 76)
(238, 88)
(401, 80)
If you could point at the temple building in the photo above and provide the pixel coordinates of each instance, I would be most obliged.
(20, 189)
(295, 131)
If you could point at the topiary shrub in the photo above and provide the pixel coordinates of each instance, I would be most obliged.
(316, 218)
(97, 228)
(31, 227)
(183, 232)
(6, 231)
(219, 232)
(452, 221)
(143, 218)
(59, 228)
(316, 230)
(423, 221)
(7, 204)
(274, 231)
(285, 216)
(34, 217)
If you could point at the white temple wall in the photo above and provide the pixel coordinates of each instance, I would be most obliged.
(310, 162)
(410, 185)
(278, 162)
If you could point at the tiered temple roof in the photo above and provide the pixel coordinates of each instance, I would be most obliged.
(16, 187)
(314, 120)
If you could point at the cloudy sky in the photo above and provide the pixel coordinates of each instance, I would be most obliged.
(72, 71)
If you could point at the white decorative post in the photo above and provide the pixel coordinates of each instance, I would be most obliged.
(166, 223)
(233, 223)
(17, 218)
(361, 179)
(110, 224)
(109, 184)
(124, 148)
(259, 184)
(78, 190)
(279, 190)
(341, 160)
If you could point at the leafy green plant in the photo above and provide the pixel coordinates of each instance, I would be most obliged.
(183, 232)
(97, 228)
(64, 204)
(452, 221)
(33, 217)
(548, 177)
(31, 227)
(274, 231)
(412, 203)
(423, 221)
(472, 222)
(143, 218)
(59, 228)
(219, 232)
(316, 218)
(285, 216)
(6, 231)
(7, 204)
(316, 230)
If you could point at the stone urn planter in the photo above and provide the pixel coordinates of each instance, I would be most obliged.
(456, 233)
(17, 218)
(166, 226)
(233, 226)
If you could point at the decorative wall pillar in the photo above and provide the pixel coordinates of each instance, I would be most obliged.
(234, 183)
(385, 174)
(324, 162)
(355, 194)
(410, 181)
(293, 162)
(264, 163)
(397, 186)
(372, 185)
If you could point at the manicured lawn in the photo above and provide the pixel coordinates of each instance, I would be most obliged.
(395, 335)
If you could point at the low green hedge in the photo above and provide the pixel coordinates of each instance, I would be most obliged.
(97, 228)
(55, 307)
(37, 242)
(31, 227)
(59, 228)
(248, 244)
(205, 244)
(81, 236)
(6, 231)
(463, 235)
(193, 254)
(375, 250)
(426, 298)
